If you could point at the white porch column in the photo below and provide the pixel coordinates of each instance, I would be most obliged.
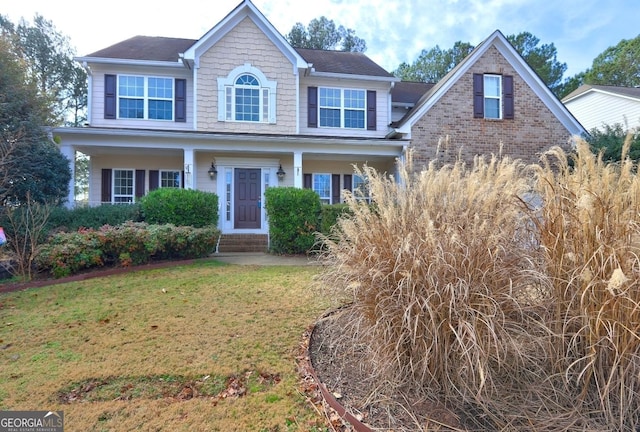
(297, 170)
(70, 153)
(189, 170)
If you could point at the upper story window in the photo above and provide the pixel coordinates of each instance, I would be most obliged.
(145, 97)
(493, 96)
(246, 95)
(342, 108)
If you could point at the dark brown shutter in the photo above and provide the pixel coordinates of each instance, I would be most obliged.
(335, 188)
(182, 182)
(507, 92)
(312, 117)
(154, 180)
(106, 185)
(348, 182)
(140, 175)
(371, 110)
(478, 95)
(110, 96)
(307, 181)
(181, 100)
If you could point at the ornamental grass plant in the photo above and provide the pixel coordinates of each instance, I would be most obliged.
(504, 290)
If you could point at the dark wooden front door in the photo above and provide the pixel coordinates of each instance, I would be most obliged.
(247, 198)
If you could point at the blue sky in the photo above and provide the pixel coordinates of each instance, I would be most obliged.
(396, 31)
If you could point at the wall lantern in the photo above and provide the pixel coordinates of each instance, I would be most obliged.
(280, 173)
(213, 172)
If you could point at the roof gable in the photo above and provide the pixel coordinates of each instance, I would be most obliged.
(531, 78)
(618, 91)
(245, 9)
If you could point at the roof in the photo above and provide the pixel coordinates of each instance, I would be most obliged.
(632, 92)
(342, 62)
(148, 48)
(409, 92)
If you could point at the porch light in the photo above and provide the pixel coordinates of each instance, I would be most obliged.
(280, 173)
(213, 172)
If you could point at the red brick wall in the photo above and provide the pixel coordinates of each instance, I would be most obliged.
(450, 121)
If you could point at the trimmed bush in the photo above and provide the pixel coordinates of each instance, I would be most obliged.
(180, 207)
(64, 219)
(329, 215)
(293, 219)
(127, 244)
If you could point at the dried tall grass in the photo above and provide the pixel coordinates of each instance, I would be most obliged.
(462, 289)
(589, 232)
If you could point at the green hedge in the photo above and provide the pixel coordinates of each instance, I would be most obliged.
(181, 207)
(64, 219)
(293, 219)
(131, 243)
(329, 216)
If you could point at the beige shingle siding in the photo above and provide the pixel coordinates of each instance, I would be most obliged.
(246, 43)
(534, 128)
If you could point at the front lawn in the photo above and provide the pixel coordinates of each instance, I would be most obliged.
(206, 346)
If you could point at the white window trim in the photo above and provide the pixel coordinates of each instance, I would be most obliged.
(146, 98)
(498, 97)
(227, 84)
(113, 186)
(170, 171)
(342, 108)
(313, 183)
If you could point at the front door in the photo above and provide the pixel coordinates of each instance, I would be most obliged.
(247, 198)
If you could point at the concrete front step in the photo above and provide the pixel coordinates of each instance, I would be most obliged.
(243, 243)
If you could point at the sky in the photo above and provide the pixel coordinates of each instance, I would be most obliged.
(395, 31)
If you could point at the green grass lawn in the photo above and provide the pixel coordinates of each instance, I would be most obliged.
(201, 347)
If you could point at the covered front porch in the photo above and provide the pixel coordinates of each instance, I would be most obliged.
(126, 165)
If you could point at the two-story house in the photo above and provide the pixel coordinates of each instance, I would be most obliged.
(240, 110)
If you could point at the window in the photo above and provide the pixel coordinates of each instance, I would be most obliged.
(246, 95)
(342, 108)
(322, 186)
(492, 96)
(170, 179)
(360, 188)
(123, 186)
(145, 97)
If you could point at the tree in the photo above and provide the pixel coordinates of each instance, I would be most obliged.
(32, 165)
(542, 58)
(618, 65)
(322, 33)
(570, 84)
(431, 65)
(49, 63)
(610, 141)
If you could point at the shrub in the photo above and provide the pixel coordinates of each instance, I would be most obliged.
(128, 244)
(293, 219)
(182, 207)
(329, 215)
(610, 141)
(64, 219)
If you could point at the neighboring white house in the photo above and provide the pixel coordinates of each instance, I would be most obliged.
(597, 105)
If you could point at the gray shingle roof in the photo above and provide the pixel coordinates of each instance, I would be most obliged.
(342, 62)
(148, 48)
(409, 92)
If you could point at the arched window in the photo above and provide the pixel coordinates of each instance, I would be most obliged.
(246, 95)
